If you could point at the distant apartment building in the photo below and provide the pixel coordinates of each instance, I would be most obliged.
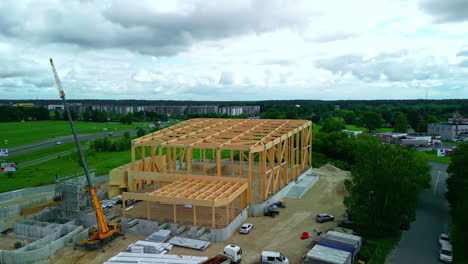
(77, 107)
(231, 110)
(453, 129)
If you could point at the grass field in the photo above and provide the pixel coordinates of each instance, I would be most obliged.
(357, 128)
(432, 156)
(44, 173)
(21, 133)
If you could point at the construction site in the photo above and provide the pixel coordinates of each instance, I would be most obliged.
(186, 191)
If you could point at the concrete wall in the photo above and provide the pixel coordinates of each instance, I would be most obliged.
(218, 235)
(143, 228)
(259, 209)
(40, 250)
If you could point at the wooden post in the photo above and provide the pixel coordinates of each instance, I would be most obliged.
(232, 213)
(203, 161)
(241, 163)
(169, 158)
(143, 165)
(148, 210)
(232, 162)
(194, 215)
(218, 162)
(249, 189)
(227, 214)
(213, 219)
(189, 160)
(310, 142)
(123, 207)
(175, 215)
(263, 168)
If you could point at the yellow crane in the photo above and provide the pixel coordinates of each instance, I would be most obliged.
(104, 232)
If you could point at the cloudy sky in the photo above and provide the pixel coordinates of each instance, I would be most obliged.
(234, 50)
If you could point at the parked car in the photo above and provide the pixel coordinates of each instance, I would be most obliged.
(271, 257)
(446, 254)
(58, 142)
(246, 228)
(443, 238)
(322, 218)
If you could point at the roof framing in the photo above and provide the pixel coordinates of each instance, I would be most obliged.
(235, 134)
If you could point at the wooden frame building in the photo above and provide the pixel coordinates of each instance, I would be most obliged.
(218, 163)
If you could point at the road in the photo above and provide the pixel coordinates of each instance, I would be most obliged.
(53, 142)
(420, 243)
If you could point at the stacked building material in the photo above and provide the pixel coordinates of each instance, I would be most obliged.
(159, 236)
(325, 255)
(189, 243)
(149, 247)
(137, 258)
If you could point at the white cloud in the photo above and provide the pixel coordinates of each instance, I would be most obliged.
(242, 50)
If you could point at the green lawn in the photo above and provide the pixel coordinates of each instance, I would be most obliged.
(44, 173)
(356, 128)
(21, 133)
(432, 156)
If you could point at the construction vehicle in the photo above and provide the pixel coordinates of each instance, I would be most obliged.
(232, 254)
(104, 232)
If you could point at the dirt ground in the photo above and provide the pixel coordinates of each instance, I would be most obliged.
(7, 242)
(275, 234)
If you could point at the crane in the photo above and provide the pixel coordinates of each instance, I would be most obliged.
(104, 232)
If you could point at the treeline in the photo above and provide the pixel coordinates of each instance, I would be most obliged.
(108, 145)
(11, 114)
(371, 116)
(457, 187)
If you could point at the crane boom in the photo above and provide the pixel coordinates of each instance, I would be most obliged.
(102, 228)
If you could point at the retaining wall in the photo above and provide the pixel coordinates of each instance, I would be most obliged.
(218, 235)
(259, 209)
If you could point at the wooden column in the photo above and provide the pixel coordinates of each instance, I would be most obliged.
(213, 219)
(241, 163)
(263, 172)
(123, 207)
(148, 210)
(203, 152)
(194, 215)
(175, 214)
(169, 157)
(232, 162)
(310, 149)
(133, 158)
(218, 162)
(298, 160)
(249, 189)
(189, 160)
(227, 214)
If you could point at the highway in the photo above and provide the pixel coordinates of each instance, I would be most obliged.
(53, 142)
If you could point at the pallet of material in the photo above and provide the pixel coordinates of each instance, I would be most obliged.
(189, 243)
(143, 258)
(149, 247)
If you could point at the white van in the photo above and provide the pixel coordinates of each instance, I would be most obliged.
(273, 257)
(446, 252)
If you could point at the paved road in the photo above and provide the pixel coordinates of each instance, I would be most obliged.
(68, 139)
(419, 244)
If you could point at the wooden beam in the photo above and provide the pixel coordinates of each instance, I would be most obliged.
(175, 213)
(194, 215)
(213, 219)
(218, 162)
(148, 210)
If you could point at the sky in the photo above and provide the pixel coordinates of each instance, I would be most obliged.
(235, 50)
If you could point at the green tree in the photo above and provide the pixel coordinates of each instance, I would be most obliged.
(141, 132)
(400, 124)
(457, 187)
(371, 121)
(271, 113)
(291, 114)
(349, 117)
(385, 187)
(333, 125)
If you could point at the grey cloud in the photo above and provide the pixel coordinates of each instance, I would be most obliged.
(136, 26)
(396, 67)
(463, 64)
(226, 78)
(446, 11)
